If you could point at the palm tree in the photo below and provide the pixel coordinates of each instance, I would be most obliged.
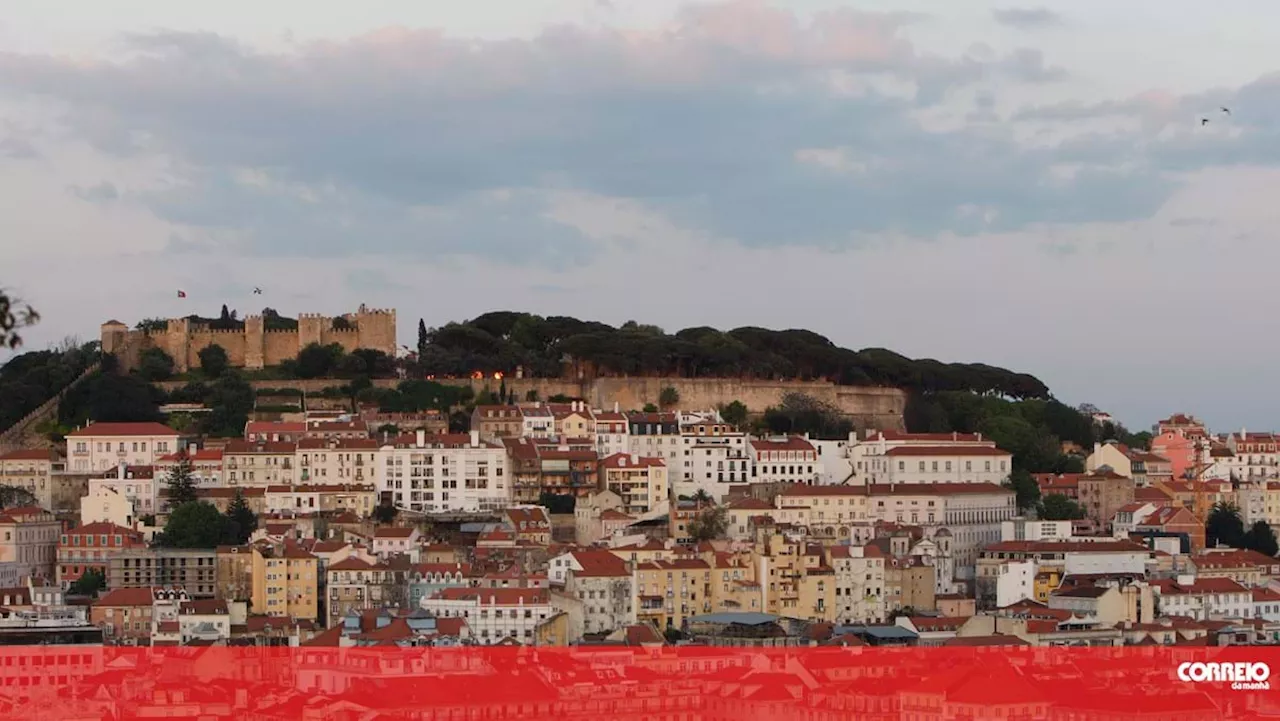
(1224, 526)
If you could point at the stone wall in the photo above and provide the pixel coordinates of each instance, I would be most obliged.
(868, 407)
(253, 347)
(23, 434)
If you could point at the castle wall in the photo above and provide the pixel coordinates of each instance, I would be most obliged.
(233, 342)
(868, 407)
(279, 346)
(254, 347)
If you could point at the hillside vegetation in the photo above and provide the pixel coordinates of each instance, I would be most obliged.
(542, 347)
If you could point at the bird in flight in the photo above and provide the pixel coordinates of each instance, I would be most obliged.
(257, 291)
(182, 294)
(1204, 122)
(1226, 110)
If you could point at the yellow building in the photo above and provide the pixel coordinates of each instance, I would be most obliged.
(1046, 582)
(671, 591)
(829, 511)
(285, 582)
(31, 470)
(234, 573)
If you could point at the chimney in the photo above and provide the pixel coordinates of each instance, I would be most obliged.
(421, 434)
(120, 471)
(475, 439)
(615, 406)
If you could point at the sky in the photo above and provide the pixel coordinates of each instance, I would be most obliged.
(1025, 185)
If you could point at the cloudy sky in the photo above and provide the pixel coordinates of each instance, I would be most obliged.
(1024, 185)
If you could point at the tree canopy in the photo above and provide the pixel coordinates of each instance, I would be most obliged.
(213, 361)
(181, 483)
(194, 525)
(1057, 507)
(504, 340)
(710, 524)
(241, 520)
(29, 379)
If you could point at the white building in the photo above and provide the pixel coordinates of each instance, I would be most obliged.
(206, 466)
(105, 504)
(712, 465)
(1016, 582)
(606, 589)
(1129, 517)
(536, 421)
(494, 614)
(1204, 599)
(835, 464)
(867, 456)
(139, 486)
(434, 474)
(104, 446)
(611, 433)
(784, 460)
(1024, 529)
(943, 464)
(657, 435)
(859, 583)
(395, 541)
(972, 512)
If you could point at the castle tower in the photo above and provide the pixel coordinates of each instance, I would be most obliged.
(114, 336)
(255, 343)
(311, 327)
(377, 327)
(177, 343)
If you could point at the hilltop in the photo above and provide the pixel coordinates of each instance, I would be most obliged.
(564, 347)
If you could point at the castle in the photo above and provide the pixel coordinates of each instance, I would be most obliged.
(254, 346)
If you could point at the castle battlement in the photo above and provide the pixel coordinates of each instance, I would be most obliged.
(253, 346)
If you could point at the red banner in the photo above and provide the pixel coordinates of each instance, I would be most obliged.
(685, 684)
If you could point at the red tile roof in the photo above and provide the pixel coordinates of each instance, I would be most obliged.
(792, 443)
(936, 489)
(242, 447)
(32, 454)
(496, 596)
(124, 429)
(600, 564)
(627, 460)
(1065, 547)
(393, 532)
(946, 451)
(126, 597)
(1200, 586)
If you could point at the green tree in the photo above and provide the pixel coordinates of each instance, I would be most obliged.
(241, 520)
(341, 323)
(318, 361)
(90, 583)
(734, 413)
(1224, 526)
(152, 325)
(703, 498)
(1262, 539)
(213, 361)
(386, 512)
(181, 483)
(907, 611)
(108, 397)
(230, 400)
(709, 525)
(194, 525)
(1057, 507)
(423, 339)
(650, 408)
(1026, 488)
(14, 316)
(16, 497)
(155, 365)
(669, 397)
(556, 503)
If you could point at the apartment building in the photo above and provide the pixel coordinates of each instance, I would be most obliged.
(91, 547)
(286, 582)
(29, 540)
(206, 466)
(433, 474)
(103, 446)
(31, 470)
(494, 614)
(194, 570)
(784, 460)
(338, 460)
(641, 483)
(259, 463)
